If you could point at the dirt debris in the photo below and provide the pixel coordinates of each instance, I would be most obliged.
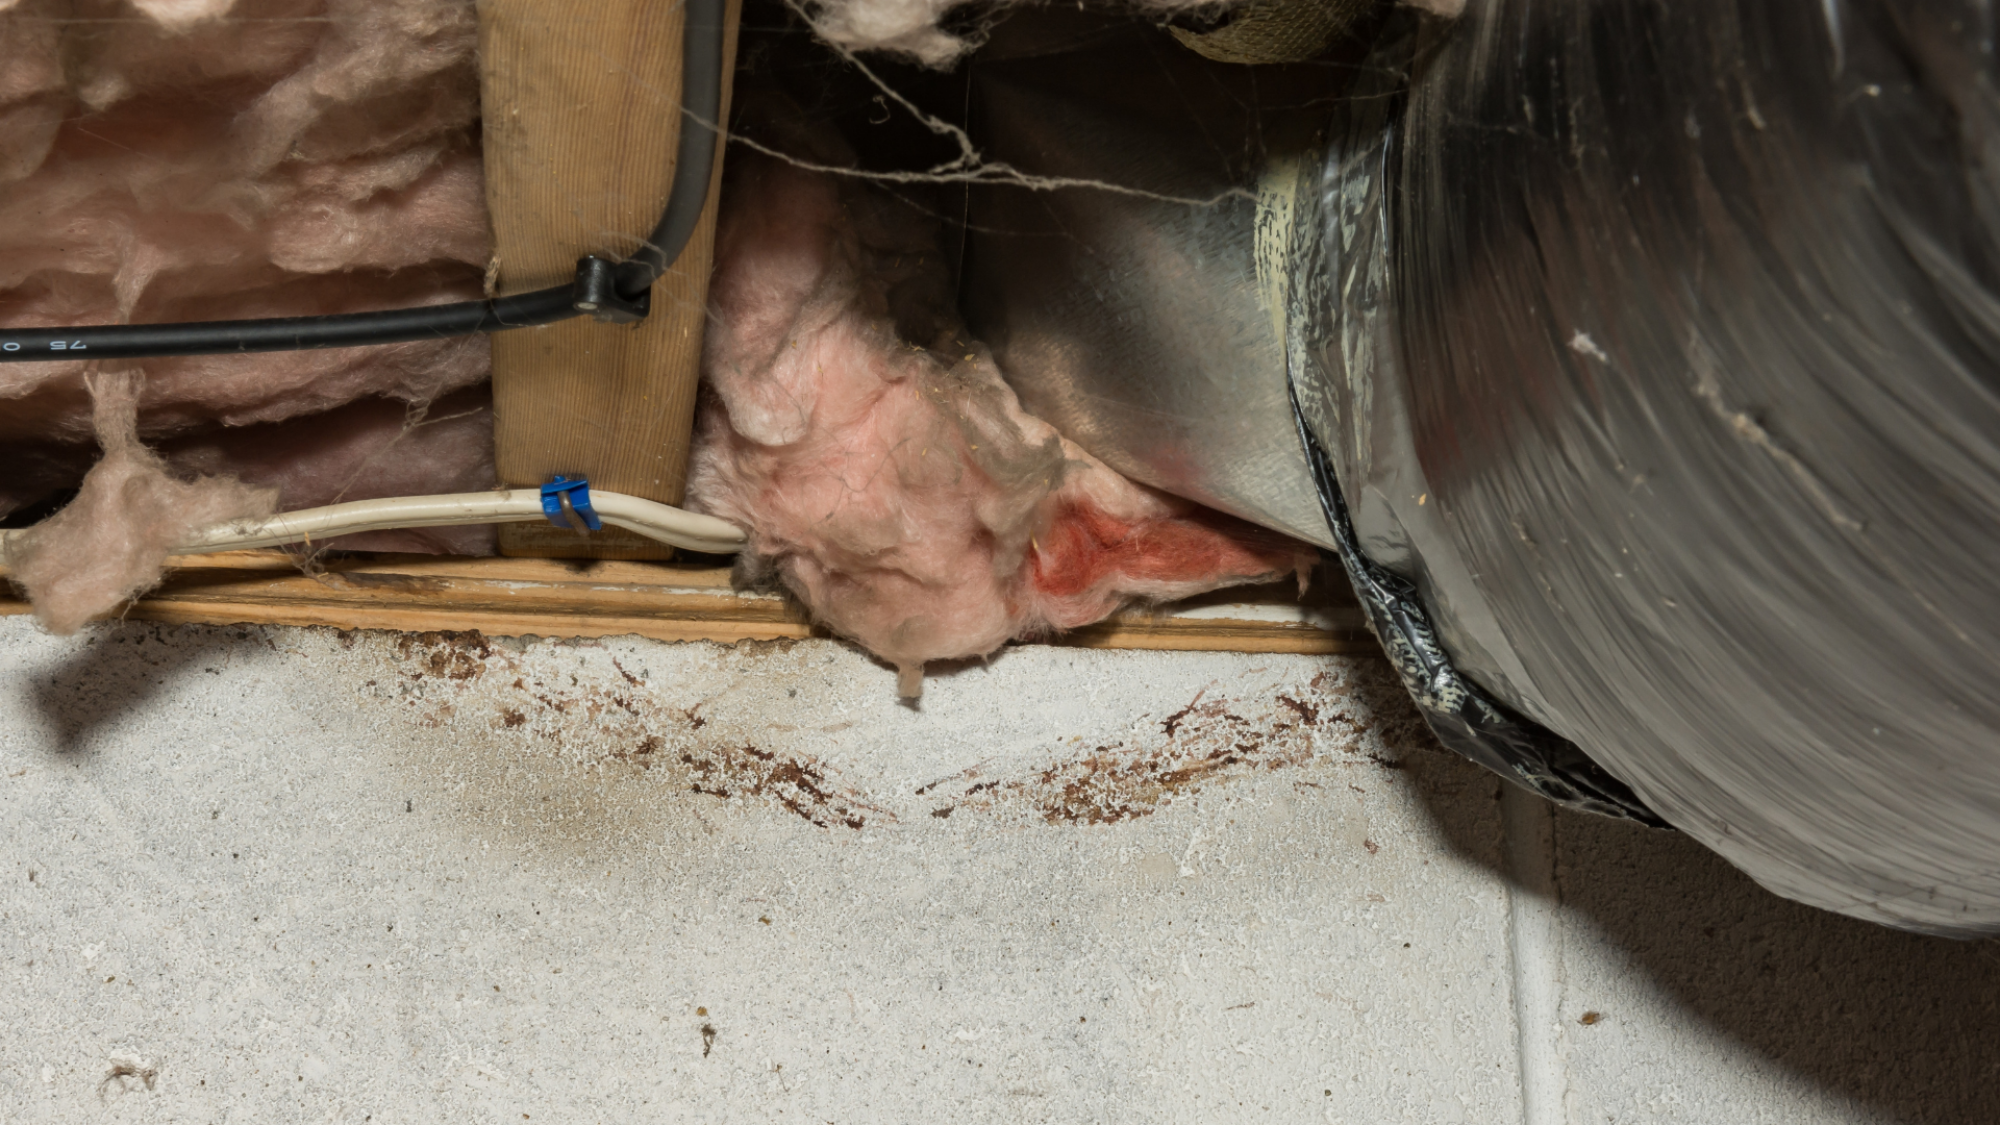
(622, 724)
(613, 718)
(799, 786)
(1201, 744)
(452, 655)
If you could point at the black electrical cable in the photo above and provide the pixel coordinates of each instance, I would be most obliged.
(694, 164)
(605, 291)
(286, 334)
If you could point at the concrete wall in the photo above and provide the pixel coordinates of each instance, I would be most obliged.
(293, 875)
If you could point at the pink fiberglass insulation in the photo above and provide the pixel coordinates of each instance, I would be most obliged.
(935, 32)
(916, 27)
(363, 451)
(165, 160)
(136, 504)
(111, 542)
(886, 472)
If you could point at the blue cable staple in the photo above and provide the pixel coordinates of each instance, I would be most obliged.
(567, 504)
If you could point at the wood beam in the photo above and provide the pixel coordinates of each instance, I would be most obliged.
(581, 104)
(665, 601)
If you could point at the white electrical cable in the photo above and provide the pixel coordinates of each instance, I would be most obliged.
(668, 525)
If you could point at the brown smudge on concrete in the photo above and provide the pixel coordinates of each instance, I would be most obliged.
(453, 656)
(595, 717)
(645, 754)
(1306, 712)
(614, 722)
(1204, 743)
(799, 785)
(120, 1078)
(629, 677)
(1172, 722)
(1104, 790)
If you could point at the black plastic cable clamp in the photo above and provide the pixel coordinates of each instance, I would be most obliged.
(595, 291)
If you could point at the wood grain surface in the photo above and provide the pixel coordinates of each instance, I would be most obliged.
(581, 104)
(665, 601)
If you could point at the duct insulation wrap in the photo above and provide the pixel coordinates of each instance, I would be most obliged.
(1657, 346)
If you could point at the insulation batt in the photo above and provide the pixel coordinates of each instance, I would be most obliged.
(885, 471)
(166, 160)
(110, 543)
(362, 451)
(914, 27)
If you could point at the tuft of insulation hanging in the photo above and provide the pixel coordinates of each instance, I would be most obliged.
(111, 543)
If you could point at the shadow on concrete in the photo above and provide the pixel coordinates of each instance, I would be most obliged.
(1906, 1024)
(123, 668)
(1901, 1022)
(1462, 799)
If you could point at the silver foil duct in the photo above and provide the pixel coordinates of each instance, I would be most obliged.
(1658, 346)
(1144, 322)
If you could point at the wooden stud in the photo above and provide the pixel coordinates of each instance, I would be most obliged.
(581, 103)
(672, 602)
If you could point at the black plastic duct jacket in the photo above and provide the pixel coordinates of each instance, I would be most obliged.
(1657, 346)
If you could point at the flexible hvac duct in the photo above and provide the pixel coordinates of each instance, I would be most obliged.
(1655, 351)
(1666, 365)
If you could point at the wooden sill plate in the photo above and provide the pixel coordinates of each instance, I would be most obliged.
(665, 601)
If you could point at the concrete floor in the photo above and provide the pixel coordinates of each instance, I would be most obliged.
(280, 875)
